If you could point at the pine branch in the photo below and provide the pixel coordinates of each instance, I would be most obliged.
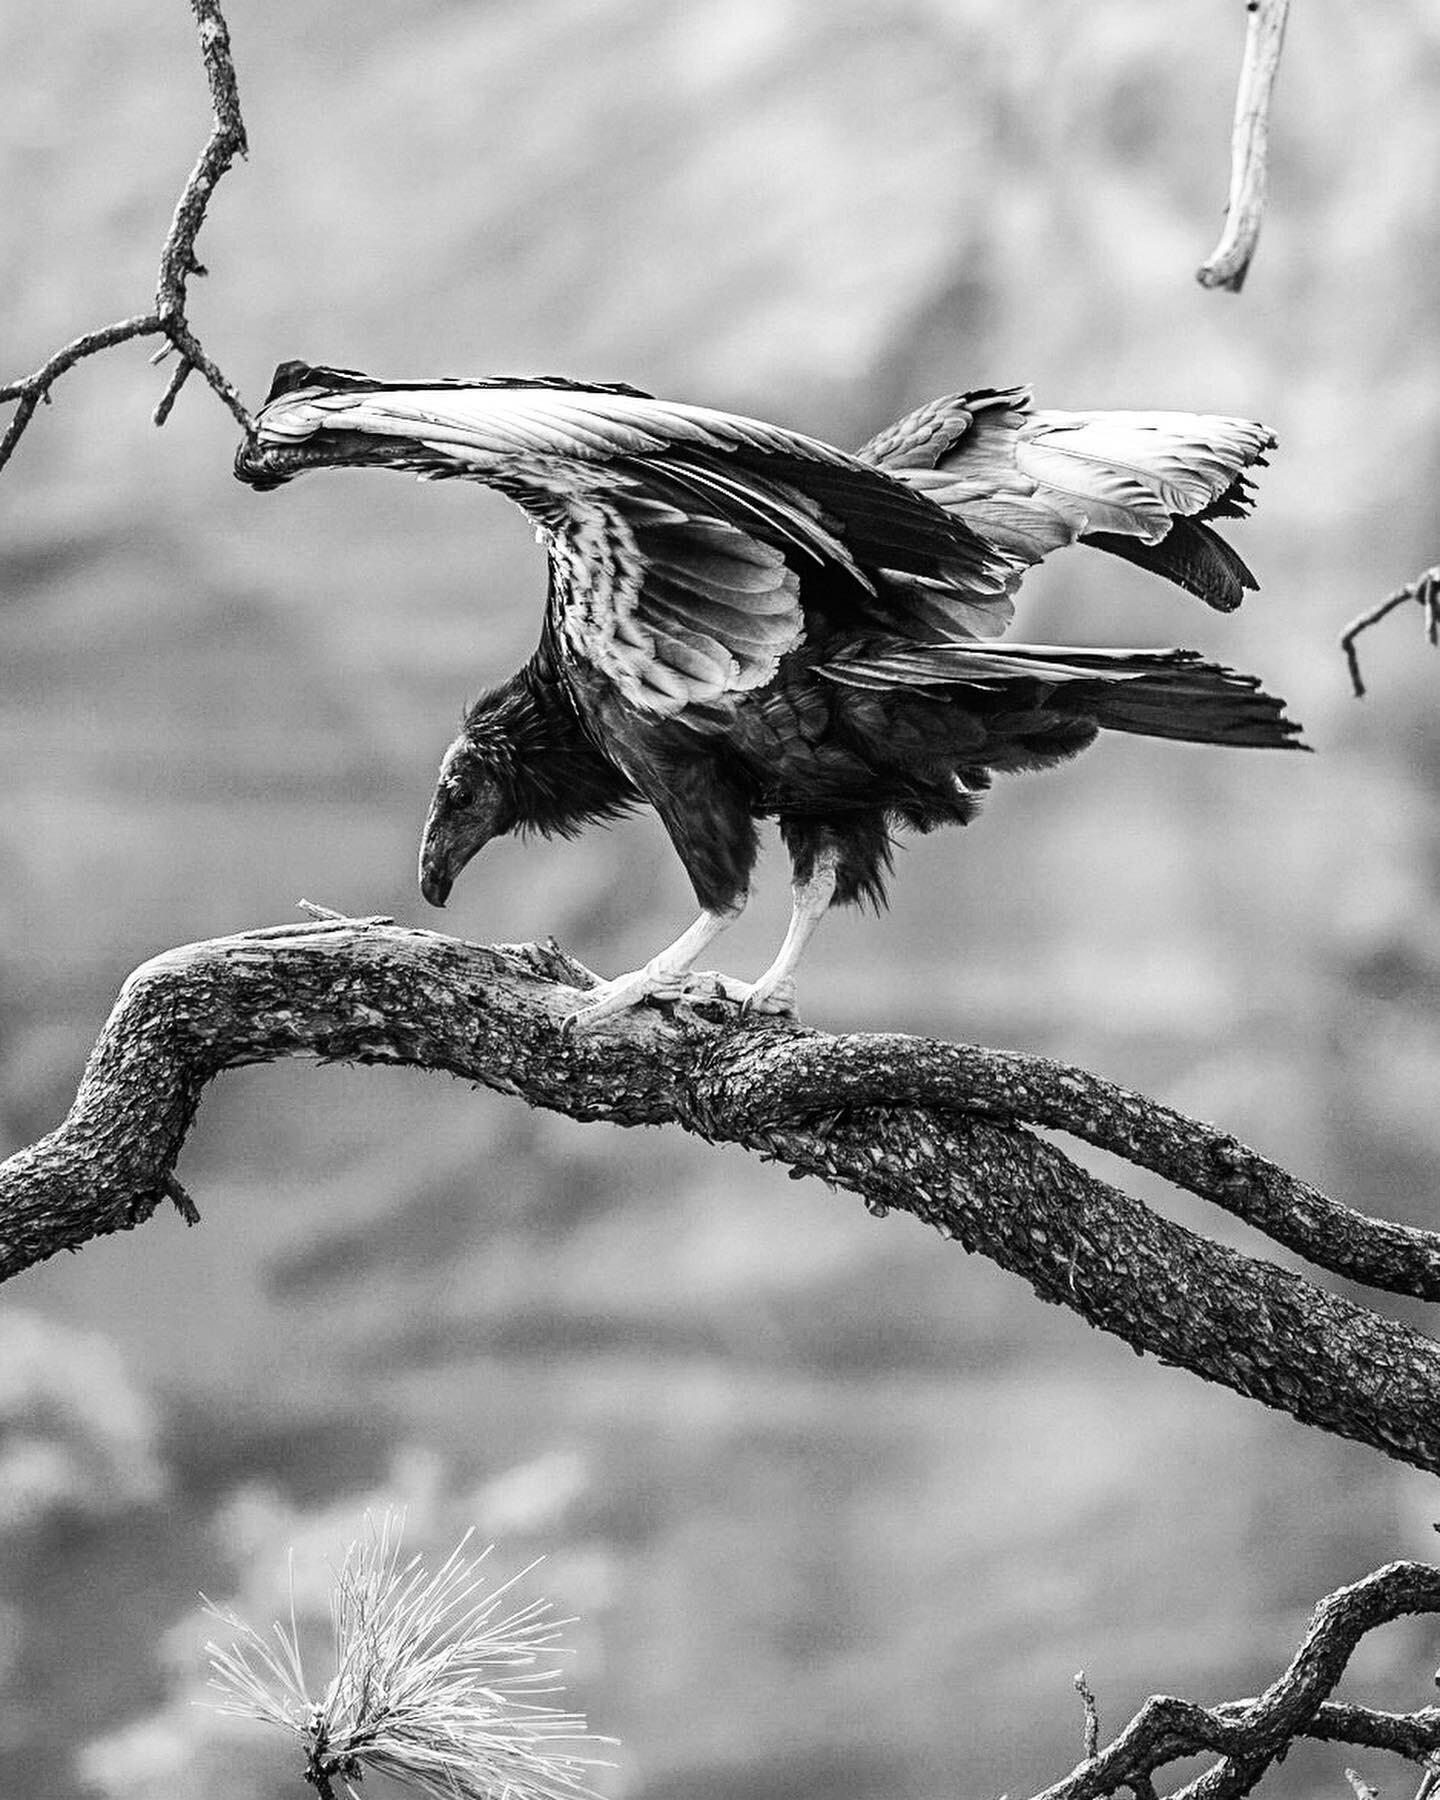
(941, 1131)
(178, 262)
(440, 1682)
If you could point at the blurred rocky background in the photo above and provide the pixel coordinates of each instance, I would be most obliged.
(842, 1512)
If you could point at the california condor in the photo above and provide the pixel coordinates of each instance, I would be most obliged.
(746, 623)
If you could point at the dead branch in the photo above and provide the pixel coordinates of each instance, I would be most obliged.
(178, 261)
(938, 1130)
(1248, 1736)
(1425, 589)
(1091, 1735)
(1229, 262)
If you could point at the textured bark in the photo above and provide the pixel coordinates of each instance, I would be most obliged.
(933, 1129)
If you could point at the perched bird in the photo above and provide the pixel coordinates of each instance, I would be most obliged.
(744, 622)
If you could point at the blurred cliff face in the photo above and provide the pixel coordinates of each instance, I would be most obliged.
(212, 703)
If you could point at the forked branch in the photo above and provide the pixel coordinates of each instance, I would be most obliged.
(938, 1130)
(1248, 1736)
(178, 261)
(1229, 262)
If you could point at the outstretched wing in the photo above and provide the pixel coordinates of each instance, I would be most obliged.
(690, 548)
(1141, 485)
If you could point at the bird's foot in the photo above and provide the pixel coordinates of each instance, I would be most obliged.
(767, 997)
(654, 982)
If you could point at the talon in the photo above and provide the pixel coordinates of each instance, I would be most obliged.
(769, 1000)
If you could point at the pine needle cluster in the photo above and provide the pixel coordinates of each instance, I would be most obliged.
(436, 1684)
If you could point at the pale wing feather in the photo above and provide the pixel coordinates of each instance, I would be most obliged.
(675, 611)
(1134, 473)
(1032, 482)
(942, 665)
(485, 425)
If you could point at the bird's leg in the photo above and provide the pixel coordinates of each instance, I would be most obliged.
(665, 975)
(774, 992)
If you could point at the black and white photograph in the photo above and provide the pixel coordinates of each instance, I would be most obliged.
(719, 900)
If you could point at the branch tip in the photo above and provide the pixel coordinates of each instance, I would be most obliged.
(1229, 262)
(1425, 589)
(181, 1201)
(1091, 1735)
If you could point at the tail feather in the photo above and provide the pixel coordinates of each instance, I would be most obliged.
(1228, 708)
(1153, 693)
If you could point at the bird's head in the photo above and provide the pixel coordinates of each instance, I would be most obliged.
(474, 802)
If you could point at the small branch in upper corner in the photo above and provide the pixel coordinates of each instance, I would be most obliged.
(1425, 590)
(1230, 260)
(178, 261)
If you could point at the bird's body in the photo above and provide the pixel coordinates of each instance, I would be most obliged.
(744, 622)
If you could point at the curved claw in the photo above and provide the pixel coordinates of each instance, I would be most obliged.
(770, 998)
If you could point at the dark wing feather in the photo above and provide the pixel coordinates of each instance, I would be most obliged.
(1192, 556)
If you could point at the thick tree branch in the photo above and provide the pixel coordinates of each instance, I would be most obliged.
(1425, 589)
(824, 1072)
(1248, 1736)
(177, 259)
(936, 1130)
(1229, 262)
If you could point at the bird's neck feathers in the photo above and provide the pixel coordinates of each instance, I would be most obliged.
(526, 737)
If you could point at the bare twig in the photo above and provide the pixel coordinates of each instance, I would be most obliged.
(940, 1131)
(1248, 1736)
(1425, 589)
(1230, 260)
(178, 261)
(180, 1200)
(1091, 1738)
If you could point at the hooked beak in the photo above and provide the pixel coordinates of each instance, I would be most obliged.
(448, 844)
